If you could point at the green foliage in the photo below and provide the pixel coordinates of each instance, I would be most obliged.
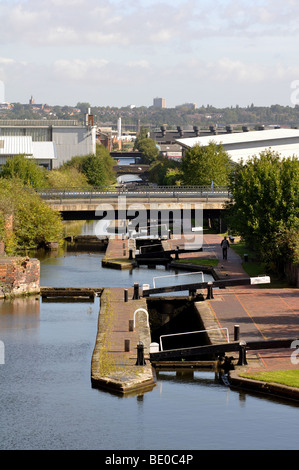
(34, 222)
(66, 178)
(29, 172)
(265, 206)
(93, 169)
(165, 172)
(97, 169)
(147, 147)
(202, 165)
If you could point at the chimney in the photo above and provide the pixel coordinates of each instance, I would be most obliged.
(196, 130)
(180, 131)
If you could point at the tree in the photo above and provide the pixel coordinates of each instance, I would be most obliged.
(94, 170)
(265, 206)
(34, 222)
(29, 172)
(97, 169)
(165, 171)
(203, 165)
(147, 147)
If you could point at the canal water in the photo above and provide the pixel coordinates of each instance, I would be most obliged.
(46, 398)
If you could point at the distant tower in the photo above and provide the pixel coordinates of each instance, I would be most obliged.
(119, 127)
(159, 103)
(31, 101)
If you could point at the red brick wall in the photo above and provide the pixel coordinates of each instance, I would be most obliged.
(19, 276)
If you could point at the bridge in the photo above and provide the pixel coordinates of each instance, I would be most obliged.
(140, 170)
(82, 203)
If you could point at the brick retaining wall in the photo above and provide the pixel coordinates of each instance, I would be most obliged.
(19, 276)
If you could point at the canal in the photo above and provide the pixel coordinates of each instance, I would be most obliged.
(46, 398)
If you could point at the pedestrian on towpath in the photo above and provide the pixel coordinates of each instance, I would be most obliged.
(224, 245)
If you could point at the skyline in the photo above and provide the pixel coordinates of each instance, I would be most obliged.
(118, 53)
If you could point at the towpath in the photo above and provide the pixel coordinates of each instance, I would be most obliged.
(261, 313)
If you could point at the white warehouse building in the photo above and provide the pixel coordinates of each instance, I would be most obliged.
(49, 143)
(243, 145)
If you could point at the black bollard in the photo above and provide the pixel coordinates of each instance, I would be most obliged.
(236, 333)
(126, 295)
(242, 354)
(210, 291)
(136, 291)
(140, 354)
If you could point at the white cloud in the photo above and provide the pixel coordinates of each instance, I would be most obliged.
(78, 69)
(148, 46)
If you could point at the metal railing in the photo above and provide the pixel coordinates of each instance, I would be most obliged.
(193, 332)
(138, 191)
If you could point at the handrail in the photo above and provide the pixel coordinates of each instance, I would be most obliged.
(140, 191)
(176, 275)
(136, 188)
(192, 332)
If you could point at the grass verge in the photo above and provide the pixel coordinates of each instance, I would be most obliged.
(289, 378)
(199, 261)
(253, 268)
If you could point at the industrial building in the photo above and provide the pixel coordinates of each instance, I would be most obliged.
(44, 153)
(50, 143)
(244, 145)
(168, 140)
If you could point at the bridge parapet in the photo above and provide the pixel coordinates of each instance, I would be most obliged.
(149, 192)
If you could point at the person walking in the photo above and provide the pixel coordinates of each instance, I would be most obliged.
(224, 245)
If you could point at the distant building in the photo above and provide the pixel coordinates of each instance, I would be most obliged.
(243, 145)
(69, 138)
(168, 140)
(159, 103)
(5, 107)
(44, 153)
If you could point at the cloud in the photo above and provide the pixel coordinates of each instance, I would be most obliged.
(78, 69)
(150, 46)
(89, 22)
(137, 23)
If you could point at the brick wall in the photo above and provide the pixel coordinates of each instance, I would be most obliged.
(19, 276)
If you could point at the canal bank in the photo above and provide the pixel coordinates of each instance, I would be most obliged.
(120, 361)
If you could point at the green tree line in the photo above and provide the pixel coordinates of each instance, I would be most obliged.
(34, 222)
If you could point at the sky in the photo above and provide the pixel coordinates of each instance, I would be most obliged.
(127, 52)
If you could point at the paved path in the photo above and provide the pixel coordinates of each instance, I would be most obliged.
(261, 313)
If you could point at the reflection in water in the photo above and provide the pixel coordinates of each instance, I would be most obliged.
(20, 313)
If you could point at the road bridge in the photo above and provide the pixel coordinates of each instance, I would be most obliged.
(82, 203)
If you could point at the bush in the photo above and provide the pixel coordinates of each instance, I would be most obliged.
(97, 169)
(29, 172)
(34, 222)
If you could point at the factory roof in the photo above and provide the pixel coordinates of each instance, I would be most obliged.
(23, 145)
(243, 145)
